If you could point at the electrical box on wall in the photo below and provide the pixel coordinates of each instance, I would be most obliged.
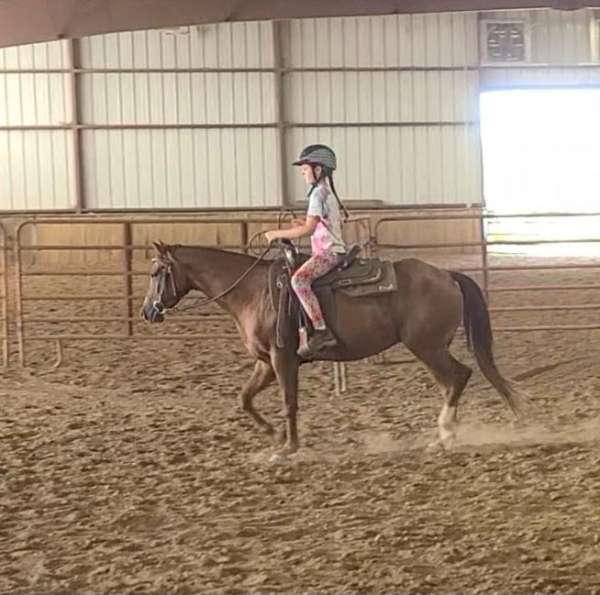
(504, 42)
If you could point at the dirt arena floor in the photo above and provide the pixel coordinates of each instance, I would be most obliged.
(131, 467)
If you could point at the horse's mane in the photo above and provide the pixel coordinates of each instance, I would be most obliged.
(175, 247)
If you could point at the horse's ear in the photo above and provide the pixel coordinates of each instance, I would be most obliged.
(163, 250)
(160, 248)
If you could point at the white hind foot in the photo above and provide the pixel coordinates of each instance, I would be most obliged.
(447, 427)
(435, 445)
(447, 438)
(446, 443)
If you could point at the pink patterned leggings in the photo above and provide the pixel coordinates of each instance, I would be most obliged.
(316, 266)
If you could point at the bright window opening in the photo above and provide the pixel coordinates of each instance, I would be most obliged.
(541, 153)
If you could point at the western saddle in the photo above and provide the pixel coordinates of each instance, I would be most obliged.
(353, 276)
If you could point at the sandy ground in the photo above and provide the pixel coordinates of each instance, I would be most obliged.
(131, 468)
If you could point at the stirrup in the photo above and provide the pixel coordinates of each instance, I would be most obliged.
(309, 349)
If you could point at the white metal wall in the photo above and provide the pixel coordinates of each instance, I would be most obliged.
(36, 156)
(210, 116)
(185, 139)
(398, 98)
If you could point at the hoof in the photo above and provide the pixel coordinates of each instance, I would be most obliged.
(284, 453)
(279, 458)
(435, 445)
(447, 443)
(268, 430)
(447, 437)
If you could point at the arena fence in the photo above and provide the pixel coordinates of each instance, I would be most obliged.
(485, 245)
(111, 266)
(95, 293)
(486, 273)
(4, 295)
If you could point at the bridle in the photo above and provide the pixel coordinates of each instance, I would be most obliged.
(164, 274)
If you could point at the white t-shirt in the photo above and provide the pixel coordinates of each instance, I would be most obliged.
(327, 236)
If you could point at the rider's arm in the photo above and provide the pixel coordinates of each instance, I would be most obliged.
(296, 232)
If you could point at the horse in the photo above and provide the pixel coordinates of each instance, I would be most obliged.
(423, 313)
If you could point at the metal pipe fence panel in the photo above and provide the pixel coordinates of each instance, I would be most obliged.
(4, 295)
(487, 271)
(97, 295)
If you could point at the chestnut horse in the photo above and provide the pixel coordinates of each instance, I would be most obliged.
(423, 314)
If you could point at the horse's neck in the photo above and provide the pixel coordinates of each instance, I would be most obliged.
(214, 271)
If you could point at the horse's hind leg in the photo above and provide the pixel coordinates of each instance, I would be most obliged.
(262, 376)
(452, 376)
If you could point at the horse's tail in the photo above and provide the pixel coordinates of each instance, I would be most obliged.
(478, 330)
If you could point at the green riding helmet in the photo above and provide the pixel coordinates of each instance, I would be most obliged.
(317, 155)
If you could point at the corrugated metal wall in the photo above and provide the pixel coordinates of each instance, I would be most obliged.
(398, 98)
(183, 138)
(36, 154)
(210, 116)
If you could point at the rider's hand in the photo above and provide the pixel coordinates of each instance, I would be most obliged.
(272, 235)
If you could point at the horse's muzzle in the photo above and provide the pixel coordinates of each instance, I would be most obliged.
(153, 312)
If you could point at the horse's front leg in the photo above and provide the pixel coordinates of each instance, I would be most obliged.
(285, 363)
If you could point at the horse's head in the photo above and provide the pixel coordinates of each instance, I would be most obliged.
(168, 284)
